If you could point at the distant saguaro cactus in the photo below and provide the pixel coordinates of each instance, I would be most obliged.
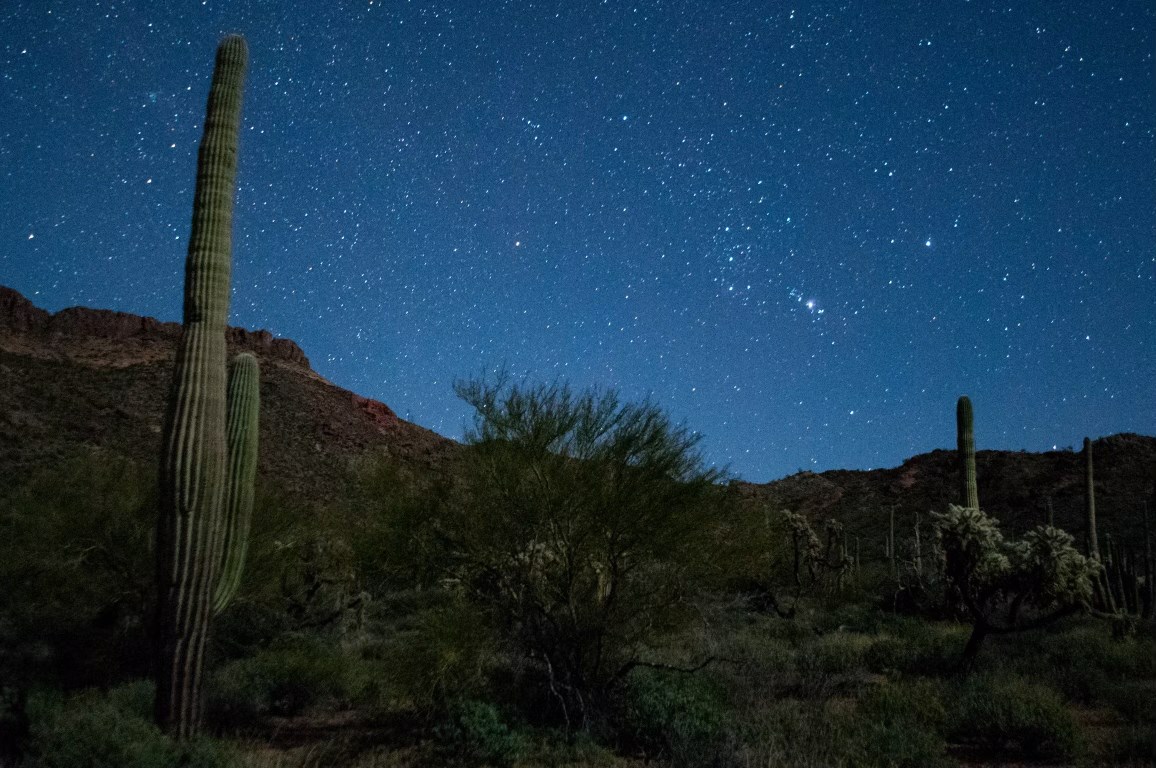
(241, 436)
(1090, 501)
(965, 442)
(193, 459)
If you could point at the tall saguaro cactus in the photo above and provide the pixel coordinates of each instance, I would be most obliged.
(193, 460)
(965, 442)
(1105, 600)
(241, 436)
(1090, 501)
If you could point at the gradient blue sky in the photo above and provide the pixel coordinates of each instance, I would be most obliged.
(804, 229)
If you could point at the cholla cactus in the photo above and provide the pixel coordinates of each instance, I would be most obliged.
(972, 545)
(1009, 586)
(1047, 559)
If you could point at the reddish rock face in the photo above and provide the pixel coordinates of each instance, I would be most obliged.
(379, 412)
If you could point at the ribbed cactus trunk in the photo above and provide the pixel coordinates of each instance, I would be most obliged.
(1090, 501)
(193, 465)
(1104, 598)
(1149, 567)
(891, 541)
(965, 442)
(241, 436)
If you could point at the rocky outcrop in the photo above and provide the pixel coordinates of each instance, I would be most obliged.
(60, 331)
(100, 378)
(379, 412)
(17, 313)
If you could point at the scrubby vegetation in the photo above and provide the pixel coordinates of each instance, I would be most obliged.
(577, 590)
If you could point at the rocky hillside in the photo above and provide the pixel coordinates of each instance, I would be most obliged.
(99, 377)
(90, 376)
(1015, 486)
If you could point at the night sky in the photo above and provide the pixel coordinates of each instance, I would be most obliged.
(803, 229)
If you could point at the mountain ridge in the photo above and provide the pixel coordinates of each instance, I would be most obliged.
(85, 376)
(98, 377)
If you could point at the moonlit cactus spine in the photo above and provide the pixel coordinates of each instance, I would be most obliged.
(193, 460)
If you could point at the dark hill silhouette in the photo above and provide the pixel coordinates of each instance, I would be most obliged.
(91, 376)
(1016, 487)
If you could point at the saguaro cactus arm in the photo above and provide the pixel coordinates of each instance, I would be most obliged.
(241, 435)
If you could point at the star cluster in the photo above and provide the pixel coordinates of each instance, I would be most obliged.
(803, 231)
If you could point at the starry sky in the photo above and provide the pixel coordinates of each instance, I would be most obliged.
(803, 229)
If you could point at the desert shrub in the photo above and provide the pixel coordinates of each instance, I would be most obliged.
(678, 716)
(1133, 745)
(998, 711)
(824, 663)
(1082, 660)
(851, 616)
(552, 747)
(792, 732)
(94, 730)
(446, 653)
(287, 679)
(910, 646)
(1093, 644)
(384, 513)
(1134, 700)
(282, 531)
(475, 732)
(76, 538)
(900, 725)
(796, 631)
(761, 666)
(579, 526)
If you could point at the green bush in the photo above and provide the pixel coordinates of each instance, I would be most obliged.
(765, 667)
(1082, 660)
(445, 654)
(76, 538)
(900, 725)
(795, 733)
(91, 729)
(1135, 700)
(1133, 745)
(1093, 645)
(1008, 711)
(475, 731)
(288, 679)
(674, 715)
(911, 646)
(825, 663)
